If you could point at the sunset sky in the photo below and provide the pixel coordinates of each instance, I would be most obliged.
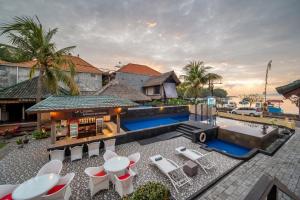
(236, 37)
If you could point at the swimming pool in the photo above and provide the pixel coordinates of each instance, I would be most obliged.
(137, 124)
(227, 147)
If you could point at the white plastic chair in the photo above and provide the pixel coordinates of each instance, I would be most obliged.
(124, 186)
(110, 144)
(197, 157)
(65, 192)
(76, 153)
(97, 183)
(174, 173)
(53, 166)
(7, 190)
(57, 154)
(134, 159)
(93, 148)
(108, 155)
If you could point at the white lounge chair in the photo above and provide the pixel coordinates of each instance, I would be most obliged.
(53, 166)
(197, 157)
(110, 144)
(62, 190)
(93, 148)
(6, 191)
(57, 154)
(76, 153)
(134, 159)
(174, 172)
(99, 180)
(123, 184)
(108, 155)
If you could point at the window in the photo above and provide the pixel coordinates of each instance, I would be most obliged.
(93, 75)
(157, 90)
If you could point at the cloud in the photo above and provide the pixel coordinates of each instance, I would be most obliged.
(237, 38)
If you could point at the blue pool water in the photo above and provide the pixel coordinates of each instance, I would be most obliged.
(137, 124)
(227, 147)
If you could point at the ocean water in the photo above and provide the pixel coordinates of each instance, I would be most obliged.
(287, 105)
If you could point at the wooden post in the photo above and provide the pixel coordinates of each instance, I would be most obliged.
(118, 122)
(23, 112)
(53, 131)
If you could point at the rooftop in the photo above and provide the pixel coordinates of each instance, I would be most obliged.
(139, 69)
(114, 88)
(289, 88)
(27, 90)
(69, 103)
(159, 80)
(80, 65)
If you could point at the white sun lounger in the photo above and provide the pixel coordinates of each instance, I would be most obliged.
(174, 172)
(197, 157)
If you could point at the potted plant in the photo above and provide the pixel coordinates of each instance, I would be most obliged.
(19, 142)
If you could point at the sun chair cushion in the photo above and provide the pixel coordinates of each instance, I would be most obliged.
(55, 189)
(124, 176)
(7, 197)
(101, 173)
(158, 158)
(131, 162)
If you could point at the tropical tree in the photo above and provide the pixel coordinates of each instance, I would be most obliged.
(212, 77)
(252, 98)
(196, 76)
(269, 66)
(28, 39)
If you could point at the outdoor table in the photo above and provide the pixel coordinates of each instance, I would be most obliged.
(116, 164)
(35, 187)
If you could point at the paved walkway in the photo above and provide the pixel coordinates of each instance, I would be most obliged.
(285, 165)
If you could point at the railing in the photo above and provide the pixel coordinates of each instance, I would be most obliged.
(263, 120)
(267, 188)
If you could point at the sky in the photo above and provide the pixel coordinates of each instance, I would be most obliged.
(237, 38)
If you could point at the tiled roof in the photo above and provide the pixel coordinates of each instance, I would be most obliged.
(114, 88)
(26, 90)
(80, 65)
(71, 103)
(159, 80)
(289, 87)
(139, 69)
(2, 62)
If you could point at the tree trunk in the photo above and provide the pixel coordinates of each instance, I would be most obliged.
(196, 110)
(39, 97)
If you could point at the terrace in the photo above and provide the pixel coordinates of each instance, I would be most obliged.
(22, 164)
(230, 178)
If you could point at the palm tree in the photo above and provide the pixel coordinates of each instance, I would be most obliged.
(30, 40)
(195, 78)
(211, 78)
(269, 66)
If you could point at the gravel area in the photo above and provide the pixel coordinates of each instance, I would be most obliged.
(21, 164)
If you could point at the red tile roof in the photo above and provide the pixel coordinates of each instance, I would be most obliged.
(2, 62)
(139, 69)
(80, 65)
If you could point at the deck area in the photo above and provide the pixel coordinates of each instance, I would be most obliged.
(284, 165)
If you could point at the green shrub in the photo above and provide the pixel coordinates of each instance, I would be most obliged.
(150, 191)
(19, 141)
(40, 134)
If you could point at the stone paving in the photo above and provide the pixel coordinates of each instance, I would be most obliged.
(285, 165)
(22, 164)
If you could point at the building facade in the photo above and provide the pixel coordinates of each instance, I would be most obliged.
(150, 82)
(88, 77)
